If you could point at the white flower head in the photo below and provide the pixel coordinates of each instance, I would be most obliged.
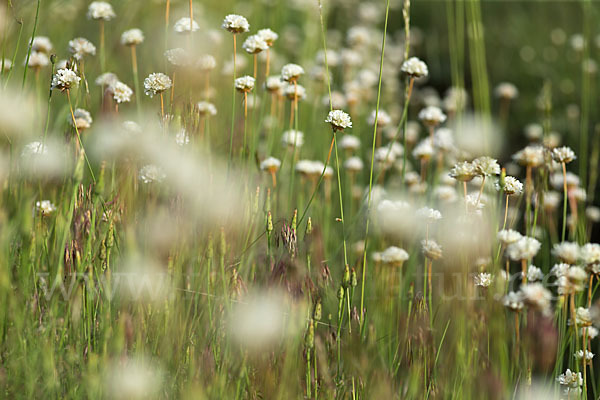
(38, 60)
(349, 142)
(244, 83)
(100, 10)
(270, 164)
(235, 24)
(254, 44)
(121, 92)
(183, 25)
(513, 301)
(530, 156)
(566, 252)
(394, 256)
(415, 68)
(83, 119)
(535, 295)
(590, 253)
(483, 279)
(45, 207)
(81, 47)
(156, 83)
(65, 79)
(432, 116)
(431, 249)
(486, 166)
(523, 249)
(534, 274)
(292, 138)
(383, 118)
(423, 150)
(511, 186)
(42, 44)
(353, 164)
(563, 154)
(506, 90)
(339, 120)
(509, 236)
(291, 72)
(132, 37)
(463, 171)
(268, 36)
(106, 79)
(274, 84)
(206, 108)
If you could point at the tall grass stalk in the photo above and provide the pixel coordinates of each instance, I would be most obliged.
(369, 199)
(35, 24)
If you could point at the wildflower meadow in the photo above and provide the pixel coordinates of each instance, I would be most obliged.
(299, 199)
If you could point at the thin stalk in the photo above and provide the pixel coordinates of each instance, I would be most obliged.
(564, 226)
(364, 271)
(35, 23)
(79, 137)
(233, 101)
(136, 83)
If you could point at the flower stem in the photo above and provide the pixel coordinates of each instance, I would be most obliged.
(79, 137)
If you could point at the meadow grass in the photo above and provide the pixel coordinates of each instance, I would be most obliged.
(396, 214)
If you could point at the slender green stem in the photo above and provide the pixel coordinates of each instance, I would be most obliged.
(79, 137)
(35, 23)
(369, 199)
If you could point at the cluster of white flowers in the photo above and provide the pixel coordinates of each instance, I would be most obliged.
(506, 90)
(81, 47)
(42, 44)
(100, 10)
(65, 79)
(244, 83)
(132, 37)
(394, 255)
(415, 68)
(106, 79)
(563, 154)
(235, 24)
(270, 164)
(339, 120)
(183, 25)
(37, 60)
(571, 382)
(121, 92)
(268, 36)
(523, 249)
(156, 83)
(206, 108)
(530, 156)
(83, 119)
(254, 44)
(291, 72)
(463, 171)
(431, 249)
(483, 279)
(353, 164)
(292, 138)
(45, 207)
(432, 116)
(511, 186)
